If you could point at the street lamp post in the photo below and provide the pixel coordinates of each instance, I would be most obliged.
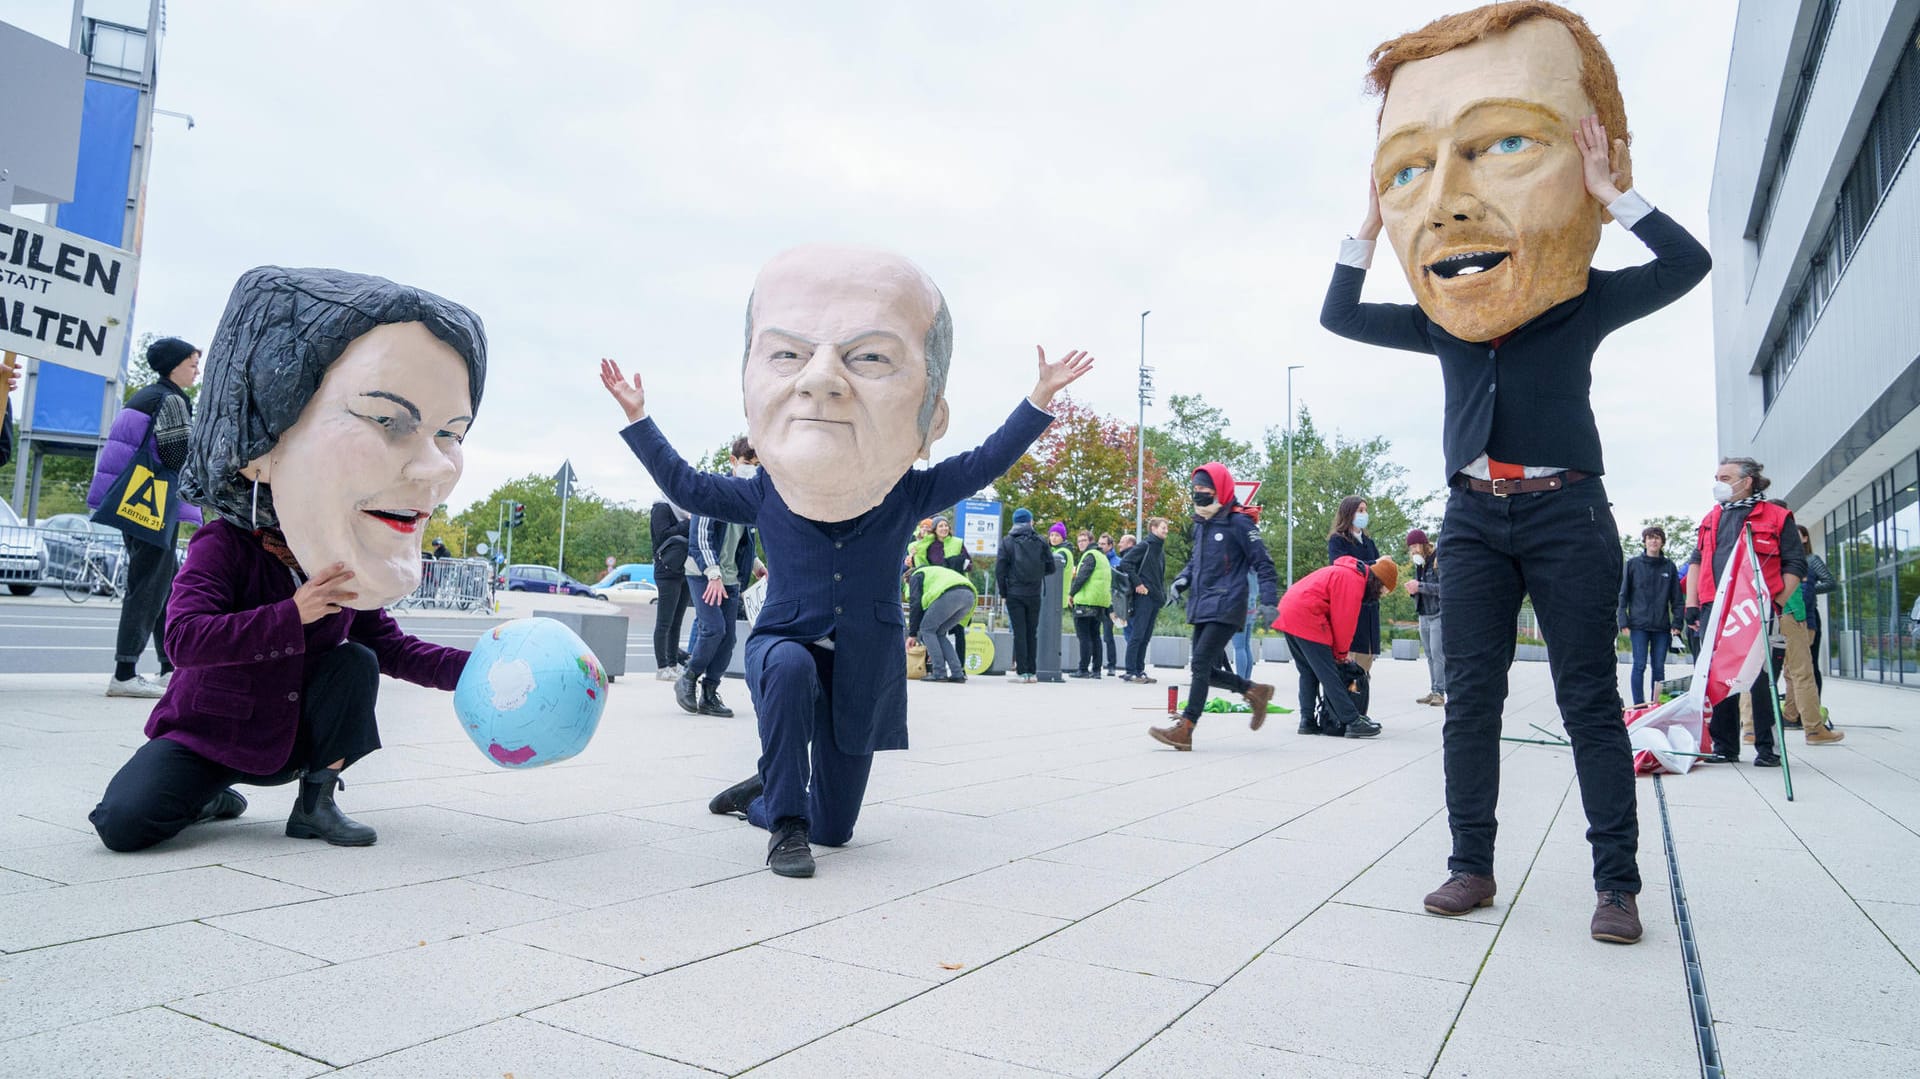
(1290, 370)
(1140, 432)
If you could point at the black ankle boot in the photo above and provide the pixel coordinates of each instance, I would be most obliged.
(226, 805)
(788, 854)
(711, 704)
(735, 799)
(315, 816)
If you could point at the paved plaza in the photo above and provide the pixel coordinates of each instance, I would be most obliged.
(1035, 889)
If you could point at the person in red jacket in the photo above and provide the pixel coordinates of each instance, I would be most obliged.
(1318, 615)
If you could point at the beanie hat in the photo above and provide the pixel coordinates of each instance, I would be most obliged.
(1023, 516)
(1387, 571)
(1417, 537)
(1059, 527)
(168, 353)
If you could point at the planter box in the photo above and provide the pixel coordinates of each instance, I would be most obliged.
(1168, 651)
(1274, 649)
(606, 634)
(1406, 648)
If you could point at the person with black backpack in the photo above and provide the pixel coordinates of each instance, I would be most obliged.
(1145, 569)
(1024, 561)
(669, 530)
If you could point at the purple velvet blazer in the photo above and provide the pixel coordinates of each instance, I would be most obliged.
(243, 658)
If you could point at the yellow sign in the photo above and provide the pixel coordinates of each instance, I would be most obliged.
(145, 503)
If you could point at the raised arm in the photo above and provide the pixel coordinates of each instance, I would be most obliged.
(1679, 260)
(962, 474)
(727, 498)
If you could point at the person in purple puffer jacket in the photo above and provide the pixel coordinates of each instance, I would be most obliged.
(157, 418)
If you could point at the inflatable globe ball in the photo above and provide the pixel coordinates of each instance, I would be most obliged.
(531, 694)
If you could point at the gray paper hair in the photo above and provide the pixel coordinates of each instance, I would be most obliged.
(281, 331)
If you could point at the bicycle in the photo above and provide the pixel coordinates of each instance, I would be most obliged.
(93, 577)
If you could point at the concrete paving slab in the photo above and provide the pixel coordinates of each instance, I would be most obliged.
(35, 919)
(350, 927)
(1045, 1013)
(1181, 1054)
(853, 1053)
(921, 937)
(523, 1049)
(736, 1010)
(1168, 941)
(151, 1041)
(387, 1002)
(1052, 889)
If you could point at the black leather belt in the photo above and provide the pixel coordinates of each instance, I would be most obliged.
(1533, 485)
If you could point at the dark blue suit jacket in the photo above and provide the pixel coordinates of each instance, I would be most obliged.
(839, 580)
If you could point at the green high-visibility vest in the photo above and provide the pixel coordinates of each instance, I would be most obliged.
(949, 547)
(1098, 591)
(1065, 556)
(936, 581)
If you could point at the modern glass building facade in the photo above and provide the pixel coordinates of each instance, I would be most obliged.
(1815, 231)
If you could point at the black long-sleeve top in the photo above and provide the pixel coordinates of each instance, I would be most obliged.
(1526, 400)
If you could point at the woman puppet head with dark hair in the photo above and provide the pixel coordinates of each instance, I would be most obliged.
(329, 428)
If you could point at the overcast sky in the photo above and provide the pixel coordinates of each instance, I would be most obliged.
(605, 179)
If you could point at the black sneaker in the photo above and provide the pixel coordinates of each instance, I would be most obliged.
(684, 691)
(787, 852)
(1082, 674)
(711, 704)
(1766, 760)
(1361, 727)
(734, 800)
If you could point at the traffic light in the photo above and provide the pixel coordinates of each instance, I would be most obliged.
(517, 515)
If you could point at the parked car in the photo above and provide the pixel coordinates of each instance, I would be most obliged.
(67, 536)
(629, 592)
(526, 578)
(631, 571)
(23, 554)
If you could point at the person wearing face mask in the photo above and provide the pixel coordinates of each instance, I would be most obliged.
(1317, 614)
(1650, 599)
(1226, 545)
(1349, 539)
(1425, 590)
(330, 426)
(156, 422)
(720, 559)
(1741, 506)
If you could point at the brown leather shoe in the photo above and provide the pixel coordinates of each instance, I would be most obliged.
(1616, 918)
(1178, 734)
(1259, 695)
(1824, 735)
(1461, 893)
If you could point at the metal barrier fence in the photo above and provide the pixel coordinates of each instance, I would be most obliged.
(31, 558)
(452, 584)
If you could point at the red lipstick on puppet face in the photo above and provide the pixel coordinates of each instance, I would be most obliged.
(407, 521)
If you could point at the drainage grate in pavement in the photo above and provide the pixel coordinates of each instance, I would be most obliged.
(1689, 952)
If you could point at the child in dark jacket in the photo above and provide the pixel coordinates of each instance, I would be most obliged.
(1226, 546)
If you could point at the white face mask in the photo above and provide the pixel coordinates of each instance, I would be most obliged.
(1419, 559)
(1722, 492)
(1360, 520)
(746, 472)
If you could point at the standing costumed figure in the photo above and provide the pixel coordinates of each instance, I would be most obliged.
(1493, 175)
(329, 428)
(844, 376)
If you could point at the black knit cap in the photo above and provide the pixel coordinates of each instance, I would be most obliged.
(168, 353)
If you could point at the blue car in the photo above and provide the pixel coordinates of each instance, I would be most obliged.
(525, 578)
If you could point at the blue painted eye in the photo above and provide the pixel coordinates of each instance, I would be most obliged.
(1512, 144)
(1408, 175)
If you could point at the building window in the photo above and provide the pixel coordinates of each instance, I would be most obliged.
(1888, 143)
(115, 51)
(1873, 549)
(1796, 111)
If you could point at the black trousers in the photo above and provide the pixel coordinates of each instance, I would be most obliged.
(1562, 549)
(669, 614)
(1819, 682)
(1023, 613)
(1106, 638)
(1210, 666)
(1318, 674)
(1140, 632)
(1087, 627)
(165, 786)
(959, 635)
(1724, 723)
(143, 613)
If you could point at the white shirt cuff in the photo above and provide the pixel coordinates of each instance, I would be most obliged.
(1357, 253)
(1630, 208)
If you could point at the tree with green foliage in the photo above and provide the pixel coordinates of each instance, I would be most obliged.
(1682, 532)
(1080, 471)
(596, 527)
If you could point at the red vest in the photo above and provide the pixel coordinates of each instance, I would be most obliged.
(1766, 519)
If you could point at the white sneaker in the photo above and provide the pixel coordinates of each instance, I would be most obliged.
(666, 674)
(137, 686)
(1013, 676)
(164, 679)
